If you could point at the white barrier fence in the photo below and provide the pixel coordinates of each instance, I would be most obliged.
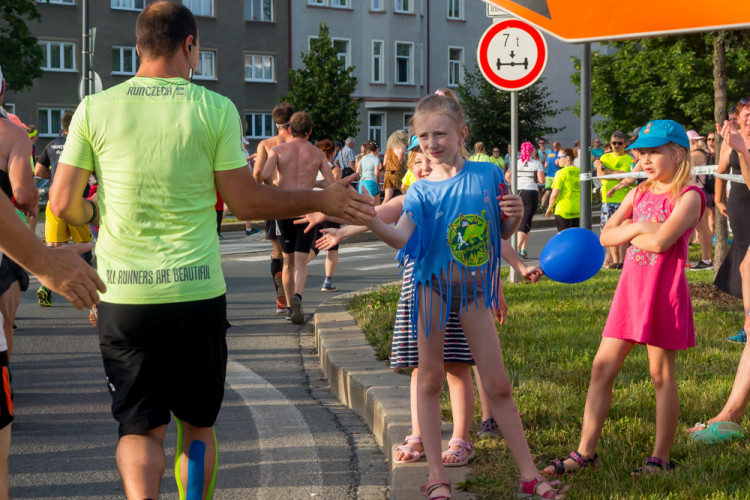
(703, 170)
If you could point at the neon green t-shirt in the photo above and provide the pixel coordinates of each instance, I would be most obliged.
(621, 164)
(154, 144)
(409, 179)
(568, 182)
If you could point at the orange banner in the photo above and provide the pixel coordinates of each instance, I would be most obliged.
(586, 21)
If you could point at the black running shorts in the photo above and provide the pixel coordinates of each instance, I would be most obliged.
(162, 358)
(294, 238)
(6, 393)
(271, 230)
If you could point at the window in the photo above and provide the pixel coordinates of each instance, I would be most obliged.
(377, 5)
(200, 7)
(377, 61)
(259, 125)
(50, 121)
(317, 2)
(342, 50)
(124, 60)
(128, 4)
(375, 128)
(259, 10)
(404, 6)
(61, 2)
(337, 4)
(340, 4)
(403, 62)
(455, 61)
(206, 69)
(407, 121)
(454, 9)
(259, 68)
(58, 56)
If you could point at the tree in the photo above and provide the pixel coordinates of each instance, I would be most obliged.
(324, 89)
(663, 77)
(488, 110)
(20, 54)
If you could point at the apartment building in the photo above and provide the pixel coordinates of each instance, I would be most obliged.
(244, 56)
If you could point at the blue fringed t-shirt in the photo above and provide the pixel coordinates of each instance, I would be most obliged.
(457, 229)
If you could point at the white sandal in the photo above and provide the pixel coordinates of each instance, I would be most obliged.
(415, 455)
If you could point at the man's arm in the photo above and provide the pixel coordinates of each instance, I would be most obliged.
(249, 200)
(66, 195)
(269, 168)
(261, 155)
(61, 270)
(19, 171)
(42, 171)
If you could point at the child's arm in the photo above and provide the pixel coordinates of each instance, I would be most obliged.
(511, 257)
(512, 206)
(686, 214)
(620, 229)
(395, 237)
(388, 212)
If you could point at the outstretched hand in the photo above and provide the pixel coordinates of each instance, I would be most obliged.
(331, 237)
(311, 220)
(69, 275)
(344, 203)
(731, 136)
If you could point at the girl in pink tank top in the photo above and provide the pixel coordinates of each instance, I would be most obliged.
(652, 304)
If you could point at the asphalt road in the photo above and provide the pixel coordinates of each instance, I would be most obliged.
(280, 433)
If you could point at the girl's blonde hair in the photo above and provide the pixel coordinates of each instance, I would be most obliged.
(412, 158)
(683, 175)
(443, 101)
(396, 139)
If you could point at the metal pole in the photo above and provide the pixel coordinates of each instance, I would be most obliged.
(585, 151)
(513, 276)
(86, 50)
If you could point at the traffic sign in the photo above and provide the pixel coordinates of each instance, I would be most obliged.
(584, 21)
(512, 54)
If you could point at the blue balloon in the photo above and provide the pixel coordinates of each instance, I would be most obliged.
(572, 256)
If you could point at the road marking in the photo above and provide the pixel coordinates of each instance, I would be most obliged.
(283, 434)
(393, 265)
(343, 250)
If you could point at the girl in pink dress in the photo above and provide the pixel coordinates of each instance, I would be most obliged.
(651, 305)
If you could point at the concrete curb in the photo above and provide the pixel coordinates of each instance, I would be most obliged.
(374, 391)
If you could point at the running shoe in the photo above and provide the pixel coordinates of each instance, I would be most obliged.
(327, 286)
(297, 316)
(280, 305)
(289, 314)
(739, 338)
(701, 266)
(45, 296)
(524, 254)
(489, 430)
(251, 231)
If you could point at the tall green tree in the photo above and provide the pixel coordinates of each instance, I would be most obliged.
(488, 110)
(635, 81)
(20, 54)
(324, 89)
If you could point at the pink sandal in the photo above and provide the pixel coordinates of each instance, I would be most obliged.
(528, 489)
(428, 488)
(415, 455)
(464, 455)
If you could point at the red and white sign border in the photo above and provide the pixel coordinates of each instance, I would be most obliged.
(486, 67)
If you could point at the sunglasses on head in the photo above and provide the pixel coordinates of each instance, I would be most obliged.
(617, 143)
(744, 101)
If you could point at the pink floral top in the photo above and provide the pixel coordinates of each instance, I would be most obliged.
(652, 301)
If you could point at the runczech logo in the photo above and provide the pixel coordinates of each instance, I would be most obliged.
(469, 239)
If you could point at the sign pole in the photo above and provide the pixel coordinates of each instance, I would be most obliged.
(585, 146)
(513, 277)
(86, 50)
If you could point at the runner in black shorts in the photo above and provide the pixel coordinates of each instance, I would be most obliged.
(294, 238)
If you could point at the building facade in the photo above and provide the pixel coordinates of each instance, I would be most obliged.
(400, 49)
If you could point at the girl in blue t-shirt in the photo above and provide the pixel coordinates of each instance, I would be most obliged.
(450, 228)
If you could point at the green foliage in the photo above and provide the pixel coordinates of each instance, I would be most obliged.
(20, 54)
(664, 77)
(488, 110)
(375, 313)
(549, 341)
(324, 88)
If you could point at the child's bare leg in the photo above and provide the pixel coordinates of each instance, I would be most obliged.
(461, 391)
(606, 366)
(480, 331)
(403, 455)
(745, 273)
(661, 366)
(484, 400)
(430, 384)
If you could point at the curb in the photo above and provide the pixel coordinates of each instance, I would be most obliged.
(375, 392)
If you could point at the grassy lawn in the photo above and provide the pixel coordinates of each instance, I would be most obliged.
(549, 342)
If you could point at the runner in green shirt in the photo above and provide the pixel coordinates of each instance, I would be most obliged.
(160, 146)
(566, 192)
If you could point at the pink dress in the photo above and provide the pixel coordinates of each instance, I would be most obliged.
(652, 301)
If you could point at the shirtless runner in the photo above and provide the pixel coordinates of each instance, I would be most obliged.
(296, 163)
(281, 115)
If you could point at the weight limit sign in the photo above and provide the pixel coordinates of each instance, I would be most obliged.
(512, 55)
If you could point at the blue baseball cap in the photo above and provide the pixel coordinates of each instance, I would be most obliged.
(413, 143)
(659, 132)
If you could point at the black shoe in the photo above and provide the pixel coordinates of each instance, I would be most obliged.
(701, 266)
(289, 314)
(297, 315)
